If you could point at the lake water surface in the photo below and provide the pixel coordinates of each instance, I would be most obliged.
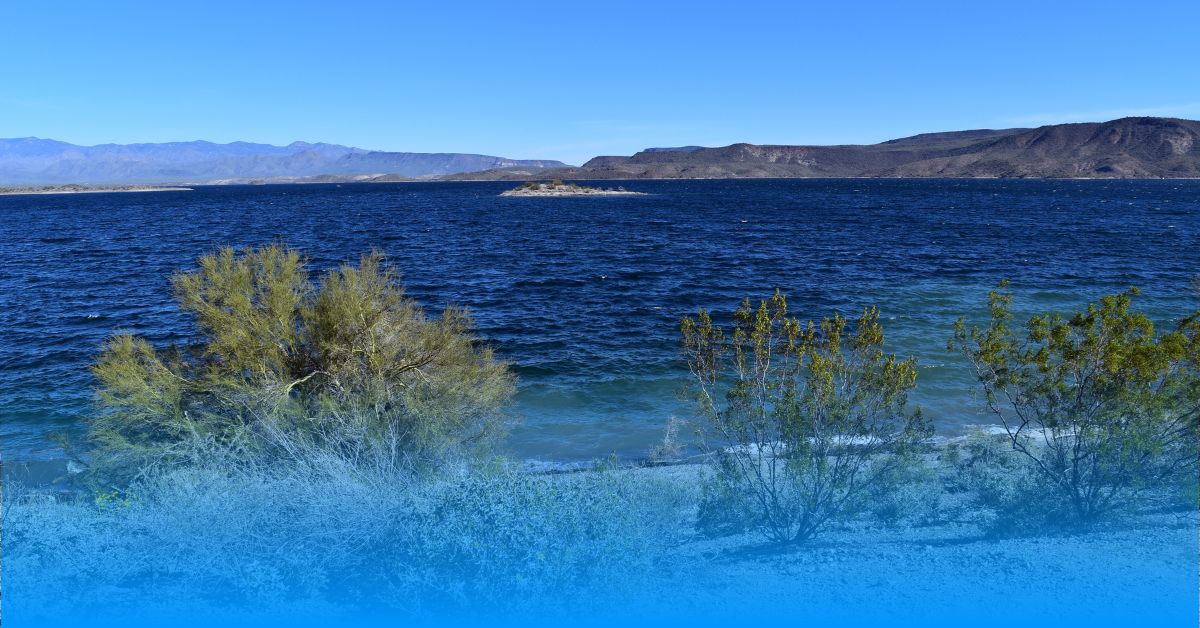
(585, 295)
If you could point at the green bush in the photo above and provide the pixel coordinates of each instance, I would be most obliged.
(1100, 405)
(809, 419)
(727, 502)
(350, 364)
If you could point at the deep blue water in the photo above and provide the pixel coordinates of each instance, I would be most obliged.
(585, 294)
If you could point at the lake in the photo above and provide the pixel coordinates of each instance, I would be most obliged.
(584, 295)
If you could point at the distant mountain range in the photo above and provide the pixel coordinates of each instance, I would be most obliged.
(1125, 148)
(30, 160)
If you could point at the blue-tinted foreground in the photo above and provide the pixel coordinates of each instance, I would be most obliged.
(326, 544)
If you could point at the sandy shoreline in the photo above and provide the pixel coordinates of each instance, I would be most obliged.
(55, 473)
(943, 565)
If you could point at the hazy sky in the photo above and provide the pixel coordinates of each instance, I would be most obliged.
(571, 80)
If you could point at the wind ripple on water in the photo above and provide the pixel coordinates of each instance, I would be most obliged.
(584, 295)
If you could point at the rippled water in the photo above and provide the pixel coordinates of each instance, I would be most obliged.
(585, 294)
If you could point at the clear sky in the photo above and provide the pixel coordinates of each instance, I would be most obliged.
(569, 80)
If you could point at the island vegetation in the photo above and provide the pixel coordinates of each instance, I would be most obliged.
(558, 188)
(328, 439)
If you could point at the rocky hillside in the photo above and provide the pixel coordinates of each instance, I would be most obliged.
(1125, 148)
(1129, 147)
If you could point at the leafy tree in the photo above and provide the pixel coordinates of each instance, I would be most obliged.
(810, 417)
(1102, 405)
(349, 366)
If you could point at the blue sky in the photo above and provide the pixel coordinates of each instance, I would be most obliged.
(572, 80)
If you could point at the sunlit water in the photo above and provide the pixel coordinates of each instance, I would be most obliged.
(584, 295)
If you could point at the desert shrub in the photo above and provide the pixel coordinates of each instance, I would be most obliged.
(1100, 405)
(808, 418)
(346, 361)
(670, 447)
(909, 493)
(514, 542)
(1005, 497)
(726, 505)
(1187, 492)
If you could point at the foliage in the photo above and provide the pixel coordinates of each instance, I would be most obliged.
(516, 539)
(1101, 404)
(810, 417)
(1002, 485)
(670, 448)
(908, 493)
(352, 360)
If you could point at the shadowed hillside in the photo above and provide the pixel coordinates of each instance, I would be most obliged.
(1125, 148)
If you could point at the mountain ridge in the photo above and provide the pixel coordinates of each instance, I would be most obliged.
(1136, 147)
(32, 160)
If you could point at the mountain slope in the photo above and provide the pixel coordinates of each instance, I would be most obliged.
(1129, 147)
(38, 161)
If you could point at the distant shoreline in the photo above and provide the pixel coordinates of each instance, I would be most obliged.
(75, 189)
(81, 189)
(1125, 148)
(807, 178)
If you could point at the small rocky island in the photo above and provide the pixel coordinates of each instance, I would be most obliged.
(558, 188)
